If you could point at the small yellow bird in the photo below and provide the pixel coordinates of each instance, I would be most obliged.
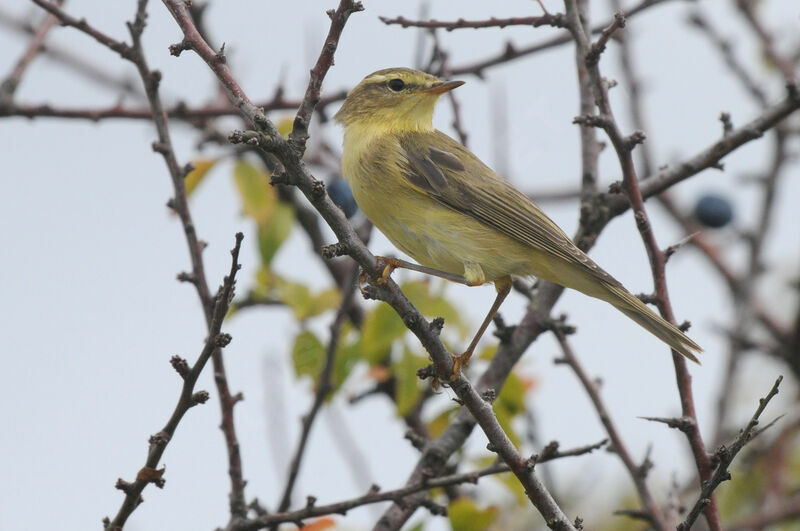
(442, 206)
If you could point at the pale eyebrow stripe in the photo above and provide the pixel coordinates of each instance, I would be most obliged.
(378, 77)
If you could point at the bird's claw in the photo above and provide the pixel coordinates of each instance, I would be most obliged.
(459, 362)
(389, 265)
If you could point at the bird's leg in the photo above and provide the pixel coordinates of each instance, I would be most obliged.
(503, 286)
(395, 263)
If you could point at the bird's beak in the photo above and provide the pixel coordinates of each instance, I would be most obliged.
(442, 87)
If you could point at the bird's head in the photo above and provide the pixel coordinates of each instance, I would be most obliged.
(394, 99)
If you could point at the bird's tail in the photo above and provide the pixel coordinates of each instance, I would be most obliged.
(638, 311)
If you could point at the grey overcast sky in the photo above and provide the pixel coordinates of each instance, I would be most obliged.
(89, 254)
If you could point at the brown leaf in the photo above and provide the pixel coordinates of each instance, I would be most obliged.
(152, 475)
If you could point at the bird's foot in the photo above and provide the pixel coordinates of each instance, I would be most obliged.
(389, 265)
(459, 362)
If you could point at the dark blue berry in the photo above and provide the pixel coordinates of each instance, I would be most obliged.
(713, 211)
(340, 194)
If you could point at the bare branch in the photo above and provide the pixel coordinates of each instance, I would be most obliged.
(638, 474)
(299, 134)
(623, 147)
(77, 63)
(215, 341)
(725, 48)
(725, 457)
(211, 305)
(9, 86)
(179, 111)
(547, 19)
(324, 388)
(710, 156)
(790, 511)
(376, 496)
(748, 10)
(121, 48)
(511, 52)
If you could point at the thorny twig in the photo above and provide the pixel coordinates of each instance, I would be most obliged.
(211, 305)
(624, 146)
(375, 495)
(215, 341)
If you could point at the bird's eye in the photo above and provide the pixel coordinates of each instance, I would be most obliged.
(396, 85)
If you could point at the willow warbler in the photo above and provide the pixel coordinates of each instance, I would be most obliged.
(446, 209)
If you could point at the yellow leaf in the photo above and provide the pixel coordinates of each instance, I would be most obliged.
(285, 126)
(465, 515)
(258, 197)
(274, 230)
(195, 177)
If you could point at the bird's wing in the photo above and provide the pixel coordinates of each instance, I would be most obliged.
(441, 167)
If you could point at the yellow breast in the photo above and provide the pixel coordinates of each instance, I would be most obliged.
(432, 234)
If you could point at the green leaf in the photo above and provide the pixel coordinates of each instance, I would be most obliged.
(488, 352)
(258, 197)
(513, 484)
(274, 230)
(407, 388)
(348, 353)
(260, 202)
(308, 354)
(465, 515)
(381, 328)
(302, 302)
(195, 177)
(512, 396)
(325, 300)
(510, 403)
(434, 304)
(294, 295)
(504, 419)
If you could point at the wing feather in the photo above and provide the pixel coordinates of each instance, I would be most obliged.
(440, 166)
